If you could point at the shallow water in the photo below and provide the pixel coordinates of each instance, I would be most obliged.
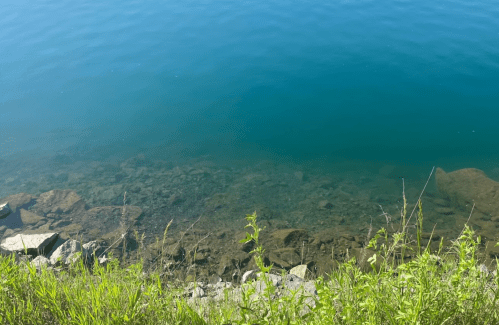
(354, 94)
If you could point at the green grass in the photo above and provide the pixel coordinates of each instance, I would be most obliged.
(433, 288)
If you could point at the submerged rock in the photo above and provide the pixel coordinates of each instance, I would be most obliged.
(469, 186)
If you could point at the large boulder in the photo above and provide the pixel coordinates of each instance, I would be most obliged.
(469, 186)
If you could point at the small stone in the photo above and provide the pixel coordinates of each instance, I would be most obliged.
(248, 275)
(326, 205)
(299, 271)
(299, 175)
(39, 261)
(198, 292)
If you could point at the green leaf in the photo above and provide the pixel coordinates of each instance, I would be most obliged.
(247, 239)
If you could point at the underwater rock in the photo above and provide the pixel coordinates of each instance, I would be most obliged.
(324, 237)
(441, 202)
(325, 205)
(60, 201)
(299, 175)
(19, 200)
(230, 263)
(285, 258)
(444, 210)
(469, 186)
(30, 218)
(290, 237)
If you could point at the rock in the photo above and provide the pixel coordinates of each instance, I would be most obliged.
(284, 257)
(60, 202)
(248, 275)
(300, 271)
(444, 210)
(469, 186)
(29, 218)
(325, 237)
(19, 200)
(274, 278)
(67, 253)
(441, 202)
(35, 243)
(287, 285)
(176, 252)
(493, 251)
(299, 175)
(8, 232)
(93, 246)
(486, 272)
(5, 210)
(325, 205)
(39, 261)
(198, 292)
(103, 261)
(232, 262)
(288, 237)
(107, 221)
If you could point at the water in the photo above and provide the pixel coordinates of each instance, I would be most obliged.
(384, 88)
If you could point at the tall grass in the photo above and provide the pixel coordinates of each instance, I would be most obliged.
(432, 288)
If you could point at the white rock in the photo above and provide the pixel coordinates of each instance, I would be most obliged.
(299, 271)
(5, 210)
(33, 243)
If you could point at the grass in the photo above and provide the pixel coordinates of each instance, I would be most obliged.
(444, 287)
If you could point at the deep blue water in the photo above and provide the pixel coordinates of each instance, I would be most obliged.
(416, 82)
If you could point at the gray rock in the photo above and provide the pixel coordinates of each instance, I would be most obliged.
(93, 246)
(198, 292)
(103, 261)
(39, 261)
(276, 279)
(293, 282)
(67, 253)
(8, 232)
(5, 210)
(248, 275)
(35, 243)
(60, 202)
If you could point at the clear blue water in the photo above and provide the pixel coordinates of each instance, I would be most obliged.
(415, 82)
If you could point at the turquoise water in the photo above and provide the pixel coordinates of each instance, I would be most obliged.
(410, 82)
